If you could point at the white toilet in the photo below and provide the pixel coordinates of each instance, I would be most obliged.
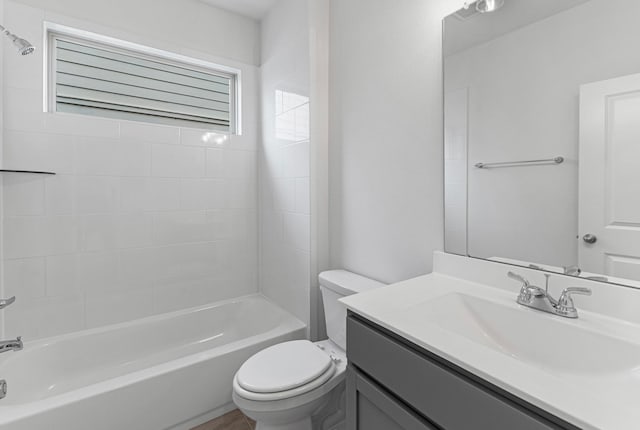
(299, 385)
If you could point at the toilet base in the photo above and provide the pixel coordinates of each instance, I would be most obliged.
(304, 424)
(294, 418)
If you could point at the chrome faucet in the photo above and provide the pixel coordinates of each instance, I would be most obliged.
(538, 298)
(11, 345)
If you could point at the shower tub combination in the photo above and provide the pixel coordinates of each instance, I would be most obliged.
(170, 371)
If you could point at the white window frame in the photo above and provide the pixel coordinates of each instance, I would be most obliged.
(54, 31)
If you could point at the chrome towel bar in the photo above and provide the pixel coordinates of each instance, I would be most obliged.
(555, 160)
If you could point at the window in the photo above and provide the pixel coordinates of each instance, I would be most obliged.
(105, 77)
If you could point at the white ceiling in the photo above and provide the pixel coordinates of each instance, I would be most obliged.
(515, 14)
(255, 9)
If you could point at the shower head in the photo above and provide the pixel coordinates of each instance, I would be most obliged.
(24, 47)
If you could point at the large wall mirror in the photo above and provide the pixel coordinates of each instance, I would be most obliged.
(542, 135)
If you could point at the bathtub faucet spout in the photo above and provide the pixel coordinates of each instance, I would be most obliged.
(11, 345)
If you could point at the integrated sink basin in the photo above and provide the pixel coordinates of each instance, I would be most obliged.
(539, 339)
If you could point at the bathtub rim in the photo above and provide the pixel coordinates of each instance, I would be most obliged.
(45, 341)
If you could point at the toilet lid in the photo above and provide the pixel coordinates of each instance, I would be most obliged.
(283, 367)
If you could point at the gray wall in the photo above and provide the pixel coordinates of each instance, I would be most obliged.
(385, 171)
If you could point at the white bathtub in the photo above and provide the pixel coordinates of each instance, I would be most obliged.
(171, 371)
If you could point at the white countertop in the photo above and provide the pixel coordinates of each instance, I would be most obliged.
(603, 402)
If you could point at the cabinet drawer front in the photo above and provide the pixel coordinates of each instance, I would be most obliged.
(448, 399)
(374, 409)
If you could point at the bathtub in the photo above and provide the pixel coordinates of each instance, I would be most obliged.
(171, 371)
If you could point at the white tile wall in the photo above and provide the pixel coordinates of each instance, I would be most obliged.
(25, 277)
(24, 195)
(178, 161)
(46, 316)
(284, 159)
(40, 151)
(140, 218)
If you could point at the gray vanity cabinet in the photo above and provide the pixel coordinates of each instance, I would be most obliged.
(393, 384)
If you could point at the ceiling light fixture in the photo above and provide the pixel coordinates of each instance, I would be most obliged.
(484, 6)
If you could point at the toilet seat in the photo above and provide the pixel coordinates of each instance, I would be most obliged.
(282, 395)
(283, 371)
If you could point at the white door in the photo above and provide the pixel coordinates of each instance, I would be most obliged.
(609, 208)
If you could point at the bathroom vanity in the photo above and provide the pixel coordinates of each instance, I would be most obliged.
(394, 384)
(411, 388)
(455, 350)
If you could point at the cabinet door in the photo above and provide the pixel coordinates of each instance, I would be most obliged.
(369, 407)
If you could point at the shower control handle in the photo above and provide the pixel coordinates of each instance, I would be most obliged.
(590, 238)
(6, 302)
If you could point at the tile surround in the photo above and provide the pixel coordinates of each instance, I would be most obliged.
(137, 217)
(284, 159)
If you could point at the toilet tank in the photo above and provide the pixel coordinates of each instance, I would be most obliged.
(335, 284)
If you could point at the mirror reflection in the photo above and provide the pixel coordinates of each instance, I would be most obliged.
(542, 135)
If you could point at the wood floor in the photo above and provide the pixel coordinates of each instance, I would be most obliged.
(233, 420)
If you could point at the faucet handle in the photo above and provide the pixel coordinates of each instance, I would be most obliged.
(527, 291)
(6, 302)
(517, 277)
(567, 292)
(566, 306)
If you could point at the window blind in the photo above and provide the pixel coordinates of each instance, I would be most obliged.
(120, 84)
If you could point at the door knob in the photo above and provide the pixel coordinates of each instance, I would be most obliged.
(590, 238)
